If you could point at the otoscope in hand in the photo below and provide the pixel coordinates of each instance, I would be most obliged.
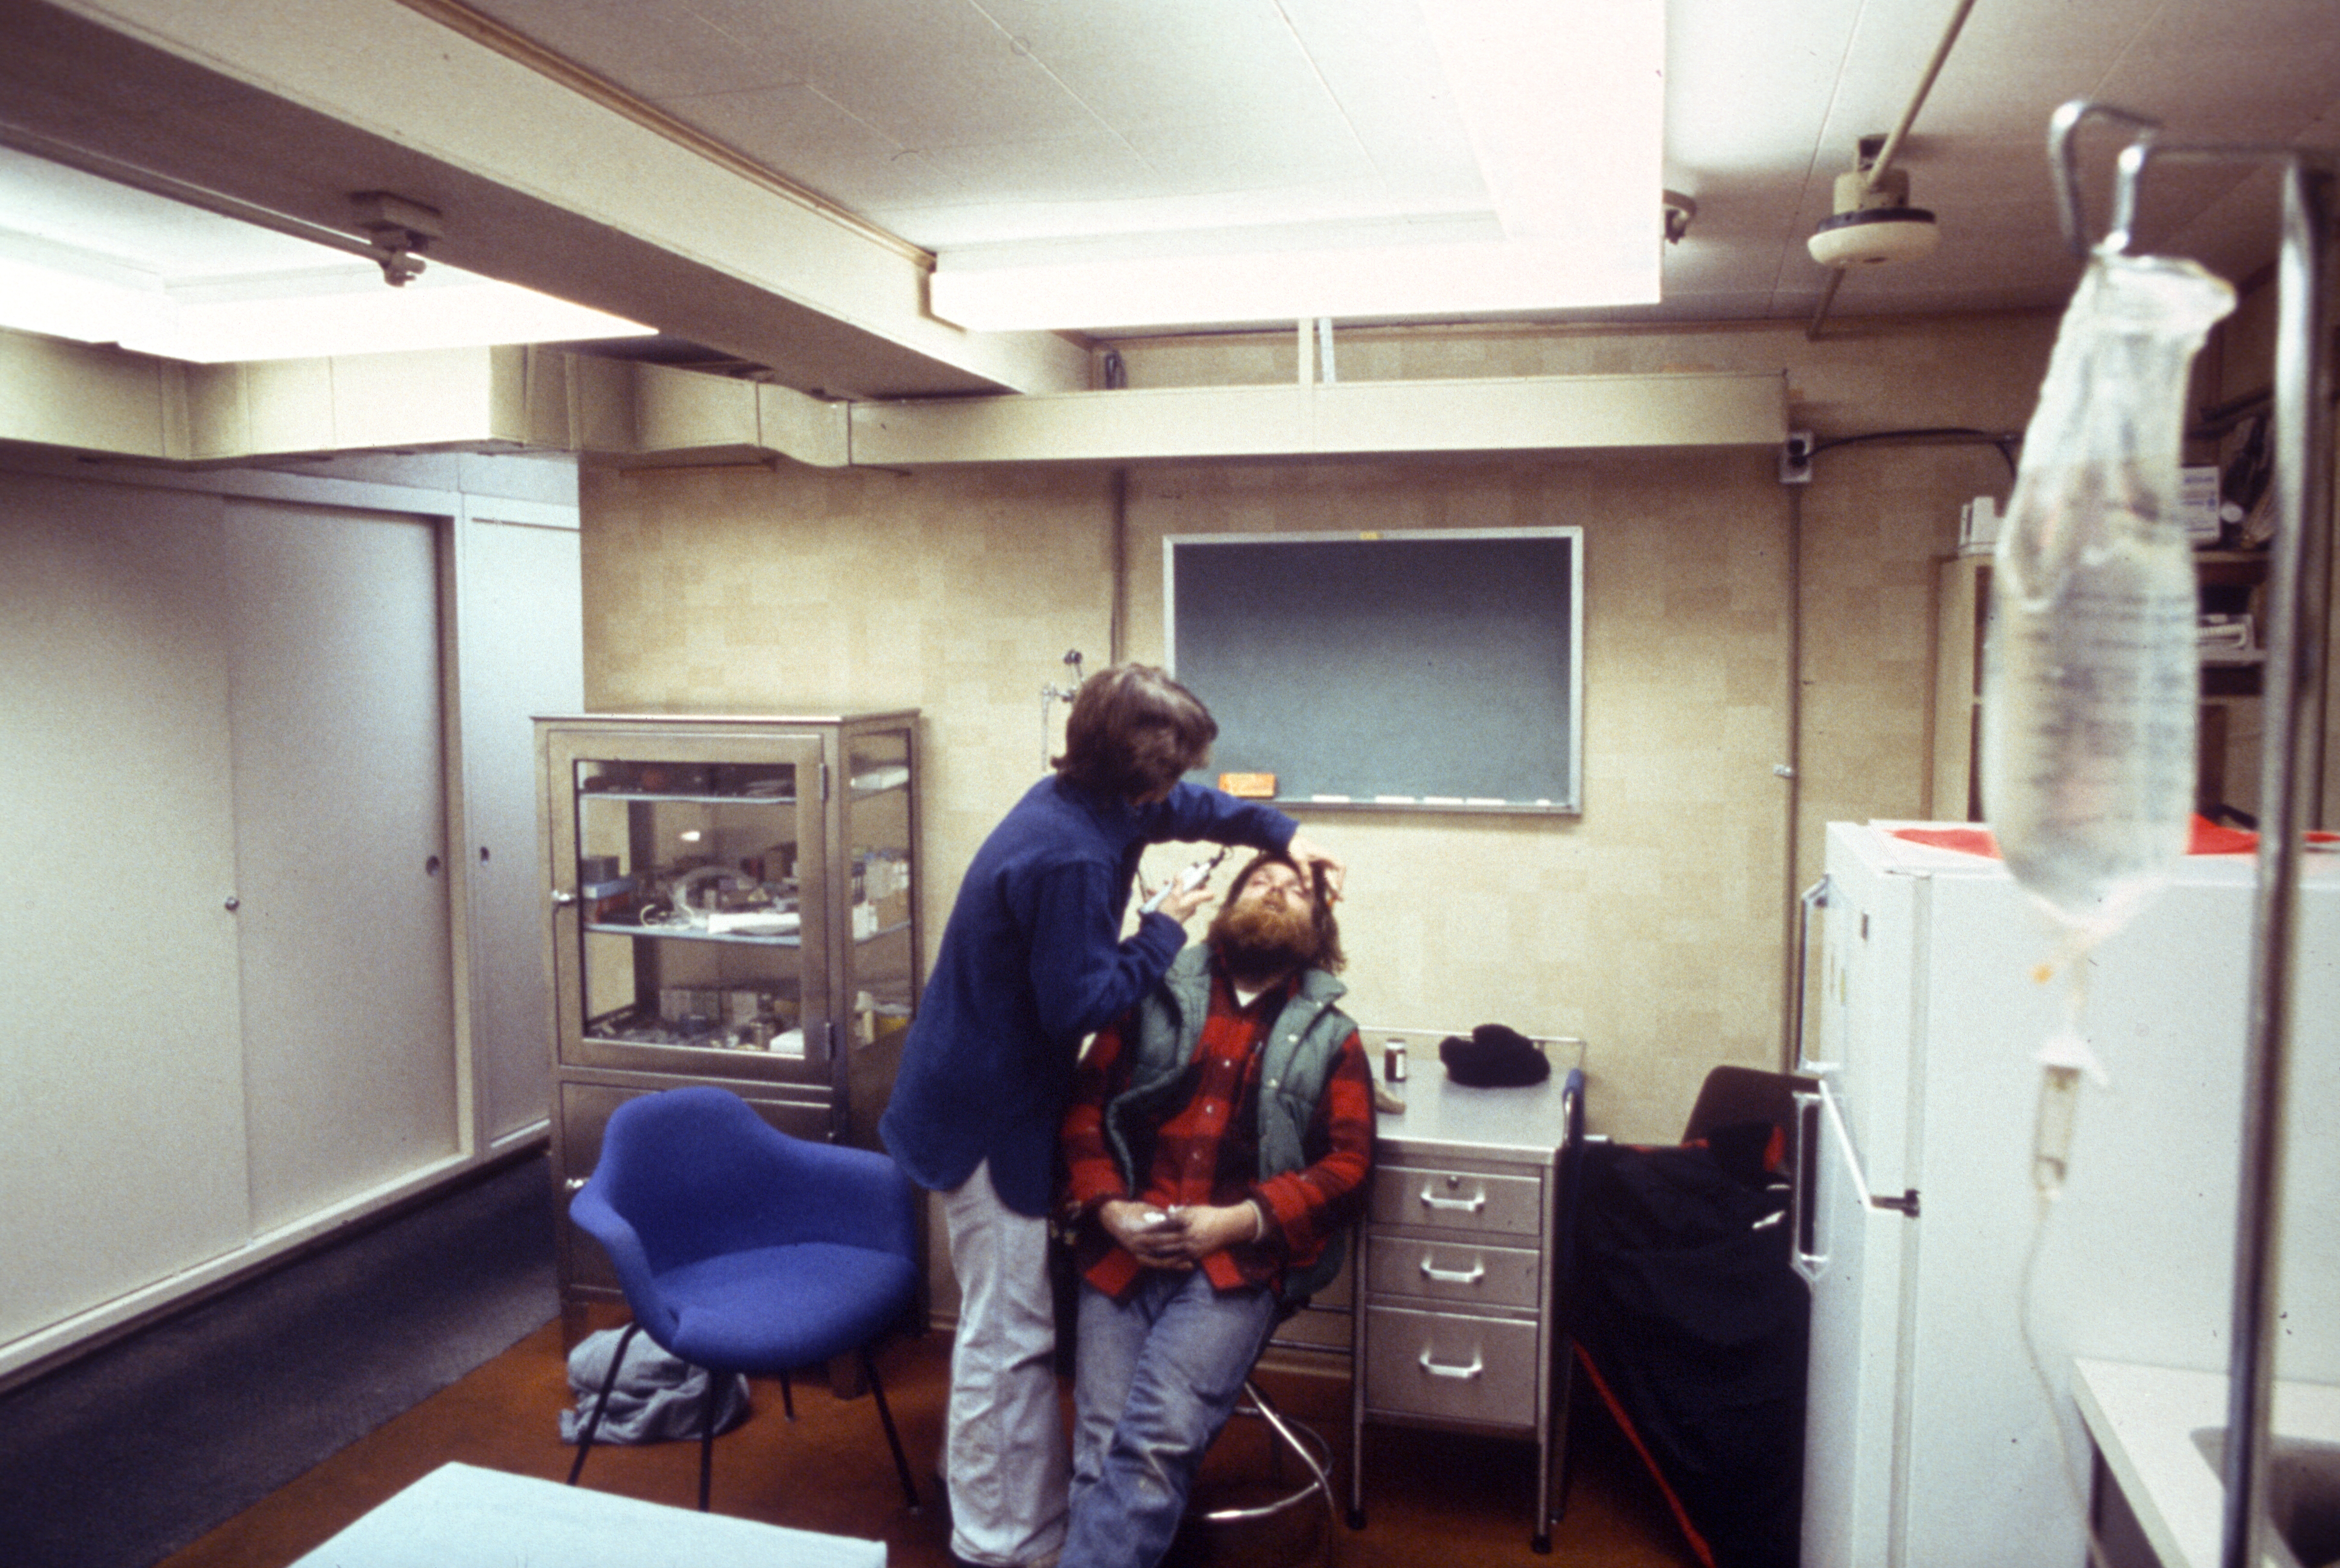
(1186, 881)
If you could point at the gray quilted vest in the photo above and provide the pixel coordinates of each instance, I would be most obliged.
(1299, 1056)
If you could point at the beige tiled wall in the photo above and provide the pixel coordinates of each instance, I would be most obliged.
(1653, 925)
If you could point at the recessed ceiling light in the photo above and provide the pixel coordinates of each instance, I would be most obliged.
(1564, 103)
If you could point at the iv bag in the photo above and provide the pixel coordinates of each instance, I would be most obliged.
(2091, 672)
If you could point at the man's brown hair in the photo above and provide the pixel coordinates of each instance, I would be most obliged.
(1134, 731)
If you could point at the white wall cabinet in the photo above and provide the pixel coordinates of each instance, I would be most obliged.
(524, 628)
(265, 750)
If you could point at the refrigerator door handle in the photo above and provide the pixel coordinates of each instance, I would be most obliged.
(1906, 1202)
(1810, 1262)
(1815, 898)
(1805, 1255)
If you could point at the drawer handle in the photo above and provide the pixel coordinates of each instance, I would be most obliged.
(1471, 1205)
(1465, 1374)
(1449, 1276)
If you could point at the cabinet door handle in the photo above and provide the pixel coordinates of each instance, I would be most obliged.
(563, 897)
(1465, 1374)
(1449, 1276)
(1471, 1205)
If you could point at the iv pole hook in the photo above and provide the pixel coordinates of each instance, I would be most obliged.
(2062, 127)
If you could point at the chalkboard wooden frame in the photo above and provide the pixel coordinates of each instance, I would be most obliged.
(1415, 670)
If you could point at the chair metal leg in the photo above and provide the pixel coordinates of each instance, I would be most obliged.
(714, 1404)
(886, 1418)
(787, 1399)
(1318, 1466)
(593, 1423)
(1305, 1444)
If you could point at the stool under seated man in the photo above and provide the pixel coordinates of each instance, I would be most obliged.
(1217, 1143)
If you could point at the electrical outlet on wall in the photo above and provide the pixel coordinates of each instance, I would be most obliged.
(1796, 458)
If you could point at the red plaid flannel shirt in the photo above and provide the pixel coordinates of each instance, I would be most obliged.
(1208, 1151)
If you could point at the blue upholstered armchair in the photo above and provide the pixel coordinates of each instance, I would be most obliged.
(741, 1249)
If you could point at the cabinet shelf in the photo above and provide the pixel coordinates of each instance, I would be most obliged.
(671, 799)
(696, 934)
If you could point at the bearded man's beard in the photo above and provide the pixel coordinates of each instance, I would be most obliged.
(1259, 943)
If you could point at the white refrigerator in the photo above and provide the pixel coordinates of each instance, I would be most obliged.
(1940, 1428)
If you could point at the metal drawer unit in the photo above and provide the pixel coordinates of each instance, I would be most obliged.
(1456, 1322)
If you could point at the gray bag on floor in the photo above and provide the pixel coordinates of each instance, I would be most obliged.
(656, 1397)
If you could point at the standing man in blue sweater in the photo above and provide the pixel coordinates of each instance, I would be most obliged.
(1032, 961)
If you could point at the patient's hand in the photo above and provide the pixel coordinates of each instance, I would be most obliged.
(1178, 1238)
(1210, 1228)
(1154, 1237)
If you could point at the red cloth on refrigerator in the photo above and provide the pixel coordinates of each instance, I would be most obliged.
(2207, 838)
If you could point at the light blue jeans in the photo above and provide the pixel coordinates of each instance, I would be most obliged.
(1157, 1378)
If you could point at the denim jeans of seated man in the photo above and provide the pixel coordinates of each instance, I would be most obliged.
(1157, 1378)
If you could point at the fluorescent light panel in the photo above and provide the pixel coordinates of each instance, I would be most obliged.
(336, 309)
(86, 259)
(1565, 105)
(444, 308)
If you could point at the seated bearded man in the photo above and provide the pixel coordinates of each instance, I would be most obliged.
(1217, 1143)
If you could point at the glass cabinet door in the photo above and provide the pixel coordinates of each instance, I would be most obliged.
(880, 973)
(696, 895)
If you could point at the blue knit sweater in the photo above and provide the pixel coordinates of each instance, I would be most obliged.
(1032, 961)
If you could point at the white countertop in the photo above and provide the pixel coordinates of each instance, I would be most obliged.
(2143, 1419)
(1444, 1117)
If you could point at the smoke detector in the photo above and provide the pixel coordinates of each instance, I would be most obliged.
(1874, 221)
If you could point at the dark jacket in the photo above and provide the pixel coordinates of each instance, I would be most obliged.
(1031, 962)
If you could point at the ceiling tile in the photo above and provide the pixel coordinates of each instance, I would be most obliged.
(824, 149)
(1264, 155)
(1187, 63)
(652, 49)
(2013, 64)
(934, 74)
(1748, 85)
(778, 34)
(1064, 169)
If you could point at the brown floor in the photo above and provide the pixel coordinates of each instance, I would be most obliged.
(1432, 1498)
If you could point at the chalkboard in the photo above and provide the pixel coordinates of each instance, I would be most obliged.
(1438, 669)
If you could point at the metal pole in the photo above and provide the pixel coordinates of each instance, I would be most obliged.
(1827, 298)
(1886, 155)
(2302, 481)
